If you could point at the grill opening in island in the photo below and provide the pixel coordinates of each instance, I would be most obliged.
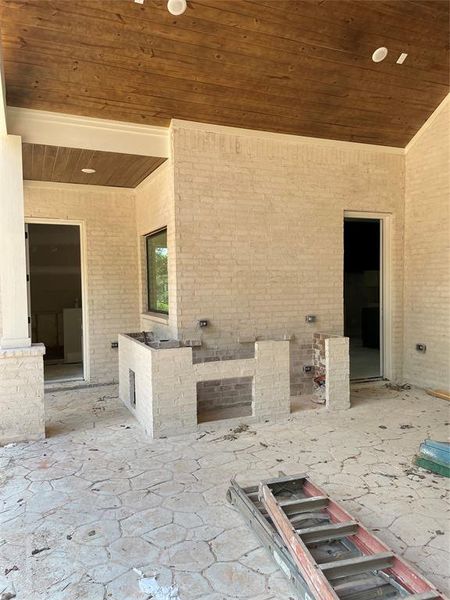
(224, 399)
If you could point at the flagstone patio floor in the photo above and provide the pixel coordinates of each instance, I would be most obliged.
(96, 499)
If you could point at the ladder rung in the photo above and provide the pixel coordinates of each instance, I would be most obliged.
(359, 564)
(368, 587)
(383, 591)
(293, 507)
(423, 596)
(334, 531)
(308, 516)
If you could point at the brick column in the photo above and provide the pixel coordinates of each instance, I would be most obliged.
(272, 398)
(337, 369)
(174, 392)
(22, 394)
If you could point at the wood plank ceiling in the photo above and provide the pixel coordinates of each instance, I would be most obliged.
(54, 163)
(294, 66)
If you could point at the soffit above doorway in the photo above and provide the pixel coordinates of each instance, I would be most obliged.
(64, 165)
(300, 67)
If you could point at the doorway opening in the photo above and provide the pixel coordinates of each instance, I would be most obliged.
(55, 298)
(363, 296)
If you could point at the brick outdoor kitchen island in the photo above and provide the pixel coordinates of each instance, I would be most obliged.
(159, 382)
(159, 385)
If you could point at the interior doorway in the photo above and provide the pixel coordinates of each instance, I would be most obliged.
(363, 305)
(55, 294)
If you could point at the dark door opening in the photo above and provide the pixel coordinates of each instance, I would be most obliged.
(362, 287)
(55, 295)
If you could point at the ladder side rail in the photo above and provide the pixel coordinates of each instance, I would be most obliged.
(268, 536)
(303, 558)
(368, 543)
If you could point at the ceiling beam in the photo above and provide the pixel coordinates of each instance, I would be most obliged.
(72, 131)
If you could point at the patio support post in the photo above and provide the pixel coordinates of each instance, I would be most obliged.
(21, 363)
(13, 282)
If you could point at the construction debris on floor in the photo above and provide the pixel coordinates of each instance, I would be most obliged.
(98, 511)
(324, 552)
(435, 457)
(444, 395)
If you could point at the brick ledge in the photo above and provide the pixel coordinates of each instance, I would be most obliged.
(33, 350)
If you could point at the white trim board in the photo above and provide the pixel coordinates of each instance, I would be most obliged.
(72, 131)
(84, 287)
(76, 187)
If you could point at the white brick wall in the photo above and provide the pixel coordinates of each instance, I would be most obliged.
(22, 394)
(259, 234)
(255, 243)
(427, 255)
(112, 272)
(155, 209)
(136, 357)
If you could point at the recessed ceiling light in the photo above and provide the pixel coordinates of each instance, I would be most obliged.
(89, 171)
(176, 7)
(401, 59)
(379, 54)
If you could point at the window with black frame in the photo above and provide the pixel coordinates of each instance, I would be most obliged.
(157, 274)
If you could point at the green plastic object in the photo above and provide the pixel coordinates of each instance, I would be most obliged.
(431, 465)
(436, 451)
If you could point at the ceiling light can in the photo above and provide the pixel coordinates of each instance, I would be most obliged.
(88, 171)
(176, 7)
(379, 54)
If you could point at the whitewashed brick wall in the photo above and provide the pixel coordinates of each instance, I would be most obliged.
(135, 356)
(255, 232)
(22, 415)
(155, 209)
(427, 255)
(259, 234)
(112, 267)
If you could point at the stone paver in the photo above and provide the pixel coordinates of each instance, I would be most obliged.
(80, 510)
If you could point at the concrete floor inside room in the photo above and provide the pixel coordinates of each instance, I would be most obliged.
(97, 499)
(60, 371)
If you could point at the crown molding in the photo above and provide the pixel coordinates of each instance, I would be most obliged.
(75, 187)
